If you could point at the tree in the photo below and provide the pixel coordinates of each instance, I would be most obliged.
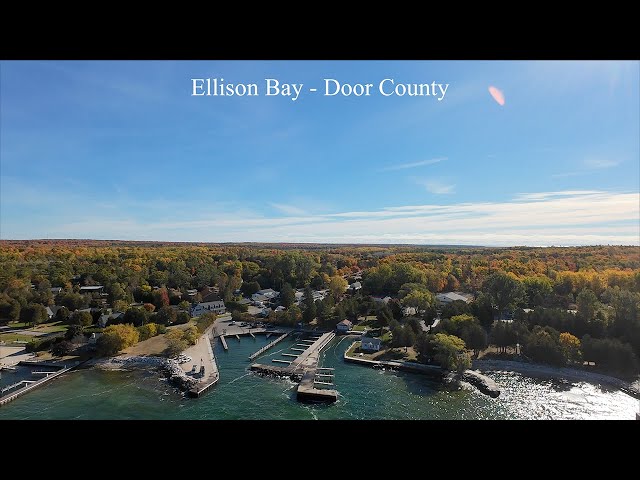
(287, 295)
(120, 306)
(537, 289)
(81, 318)
(147, 331)
(149, 307)
(63, 314)
(175, 346)
(421, 301)
(9, 308)
(184, 306)
(543, 345)
(450, 352)
(182, 318)
(60, 349)
(166, 315)
(160, 298)
(117, 337)
(190, 335)
(384, 316)
(73, 331)
(570, 346)
(136, 316)
(504, 290)
(249, 288)
(587, 304)
(457, 307)
(475, 337)
(33, 314)
(309, 312)
(337, 286)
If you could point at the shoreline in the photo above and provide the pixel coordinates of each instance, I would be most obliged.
(537, 370)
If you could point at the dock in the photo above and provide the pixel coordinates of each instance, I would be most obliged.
(267, 347)
(211, 378)
(28, 385)
(224, 342)
(304, 368)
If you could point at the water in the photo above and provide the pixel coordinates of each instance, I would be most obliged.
(365, 393)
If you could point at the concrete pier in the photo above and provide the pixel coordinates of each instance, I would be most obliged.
(304, 368)
(224, 342)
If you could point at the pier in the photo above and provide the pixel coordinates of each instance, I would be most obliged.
(28, 385)
(267, 347)
(224, 342)
(209, 368)
(305, 369)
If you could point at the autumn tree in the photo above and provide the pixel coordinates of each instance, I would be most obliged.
(337, 286)
(570, 346)
(117, 337)
(82, 318)
(166, 315)
(160, 298)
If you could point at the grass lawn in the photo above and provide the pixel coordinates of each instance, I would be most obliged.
(360, 328)
(351, 351)
(51, 327)
(15, 337)
(17, 325)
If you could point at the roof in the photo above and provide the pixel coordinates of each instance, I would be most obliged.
(269, 292)
(91, 288)
(216, 304)
(373, 340)
(259, 297)
(345, 322)
(50, 312)
(453, 296)
(55, 289)
(355, 285)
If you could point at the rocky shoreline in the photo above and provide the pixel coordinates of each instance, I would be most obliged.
(169, 368)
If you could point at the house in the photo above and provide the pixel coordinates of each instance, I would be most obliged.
(216, 307)
(192, 292)
(257, 298)
(384, 300)
(369, 344)
(344, 326)
(56, 290)
(409, 311)
(449, 297)
(92, 289)
(104, 319)
(279, 308)
(50, 313)
(354, 287)
(268, 292)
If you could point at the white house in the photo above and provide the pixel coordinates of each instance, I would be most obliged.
(354, 287)
(344, 326)
(449, 297)
(369, 344)
(384, 300)
(216, 307)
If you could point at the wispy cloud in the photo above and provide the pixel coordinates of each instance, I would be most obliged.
(572, 217)
(591, 165)
(598, 163)
(288, 209)
(421, 163)
(436, 187)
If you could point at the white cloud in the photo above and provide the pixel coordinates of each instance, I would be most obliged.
(421, 163)
(436, 187)
(573, 217)
(288, 209)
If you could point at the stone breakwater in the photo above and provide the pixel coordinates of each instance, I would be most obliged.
(170, 368)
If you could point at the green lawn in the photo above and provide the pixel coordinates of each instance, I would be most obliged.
(360, 328)
(15, 337)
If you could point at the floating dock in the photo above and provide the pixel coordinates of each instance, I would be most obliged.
(27, 385)
(224, 342)
(304, 368)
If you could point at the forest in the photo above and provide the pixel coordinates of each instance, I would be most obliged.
(591, 294)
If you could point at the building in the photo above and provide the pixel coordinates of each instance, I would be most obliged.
(268, 292)
(449, 297)
(344, 326)
(56, 290)
(104, 319)
(354, 287)
(369, 344)
(384, 300)
(50, 313)
(92, 289)
(216, 307)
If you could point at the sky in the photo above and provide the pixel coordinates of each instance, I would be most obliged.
(514, 153)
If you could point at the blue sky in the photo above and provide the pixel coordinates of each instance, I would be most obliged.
(122, 150)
